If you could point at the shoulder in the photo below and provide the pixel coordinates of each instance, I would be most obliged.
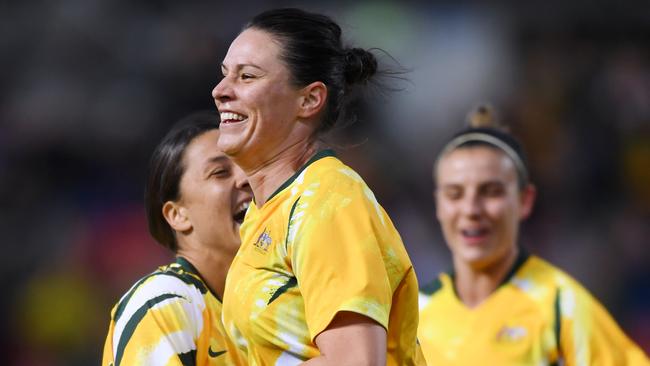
(550, 275)
(331, 177)
(545, 282)
(167, 284)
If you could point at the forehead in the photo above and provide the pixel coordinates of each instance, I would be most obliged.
(252, 46)
(473, 165)
(202, 149)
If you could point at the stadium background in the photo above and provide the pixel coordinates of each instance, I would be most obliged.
(88, 87)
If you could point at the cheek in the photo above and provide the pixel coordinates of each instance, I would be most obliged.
(272, 111)
(220, 197)
(504, 213)
(445, 211)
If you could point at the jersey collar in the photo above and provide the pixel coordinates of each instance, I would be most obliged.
(319, 155)
(189, 268)
(522, 257)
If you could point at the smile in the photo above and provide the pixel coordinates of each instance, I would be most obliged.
(230, 117)
(475, 236)
(240, 212)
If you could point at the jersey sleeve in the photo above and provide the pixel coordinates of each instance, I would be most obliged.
(155, 324)
(337, 252)
(590, 336)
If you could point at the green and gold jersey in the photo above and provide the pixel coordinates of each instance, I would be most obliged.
(538, 316)
(321, 244)
(170, 318)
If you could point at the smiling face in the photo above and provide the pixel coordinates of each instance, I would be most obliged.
(214, 194)
(258, 105)
(479, 205)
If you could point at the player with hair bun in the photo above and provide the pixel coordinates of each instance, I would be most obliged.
(502, 305)
(322, 276)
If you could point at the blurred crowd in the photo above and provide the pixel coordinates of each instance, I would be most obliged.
(88, 87)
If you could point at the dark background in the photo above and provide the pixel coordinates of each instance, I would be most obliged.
(88, 87)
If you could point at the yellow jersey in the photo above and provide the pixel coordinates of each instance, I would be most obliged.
(538, 316)
(321, 244)
(171, 318)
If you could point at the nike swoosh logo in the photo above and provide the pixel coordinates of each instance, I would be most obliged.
(212, 353)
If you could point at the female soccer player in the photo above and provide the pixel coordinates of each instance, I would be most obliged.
(322, 276)
(195, 200)
(502, 306)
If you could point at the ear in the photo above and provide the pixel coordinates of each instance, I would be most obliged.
(527, 197)
(176, 216)
(436, 203)
(312, 99)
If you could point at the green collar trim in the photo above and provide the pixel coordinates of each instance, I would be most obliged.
(319, 155)
(189, 268)
(522, 257)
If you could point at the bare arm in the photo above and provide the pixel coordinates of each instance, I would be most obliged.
(351, 339)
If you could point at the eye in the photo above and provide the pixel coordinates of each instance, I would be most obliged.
(219, 173)
(493, 190)
(246, 76)
(453, 193)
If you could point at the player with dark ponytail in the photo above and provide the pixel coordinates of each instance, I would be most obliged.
(322, 276)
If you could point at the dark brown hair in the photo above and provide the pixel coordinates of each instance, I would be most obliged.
(313, 51)
(166, 169)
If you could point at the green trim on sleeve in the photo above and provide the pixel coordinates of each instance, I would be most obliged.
(132, 324)
(188, 358)
(292, 282)
(122, 305)
(558, 322)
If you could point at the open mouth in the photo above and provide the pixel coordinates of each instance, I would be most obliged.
(474, 233)
(475, 236)
(231, 117)
(240, 213)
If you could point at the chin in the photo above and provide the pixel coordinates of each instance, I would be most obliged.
(476, 257)
(227, 149)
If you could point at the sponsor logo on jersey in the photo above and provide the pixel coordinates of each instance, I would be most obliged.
(213, 353)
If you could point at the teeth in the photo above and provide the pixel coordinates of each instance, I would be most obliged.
(242, 207)
(229, 116)
(473, 232)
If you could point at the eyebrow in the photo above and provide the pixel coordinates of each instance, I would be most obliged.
(481, 184)
(217, 159)
(240, 66)
(213, 160)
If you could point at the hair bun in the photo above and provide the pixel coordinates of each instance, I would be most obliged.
(483, 116)
(360, 65)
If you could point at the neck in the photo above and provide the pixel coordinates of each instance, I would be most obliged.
(475, 285)
(211, 264)
(267, 177)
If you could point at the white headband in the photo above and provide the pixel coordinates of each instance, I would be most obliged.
(489, 139)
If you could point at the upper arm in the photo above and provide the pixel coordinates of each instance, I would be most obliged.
(158, 325)
(337, 256)
(351, 339)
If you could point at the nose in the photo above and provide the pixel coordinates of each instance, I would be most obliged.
(241, 180)
(472, 205)
(222, 92)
